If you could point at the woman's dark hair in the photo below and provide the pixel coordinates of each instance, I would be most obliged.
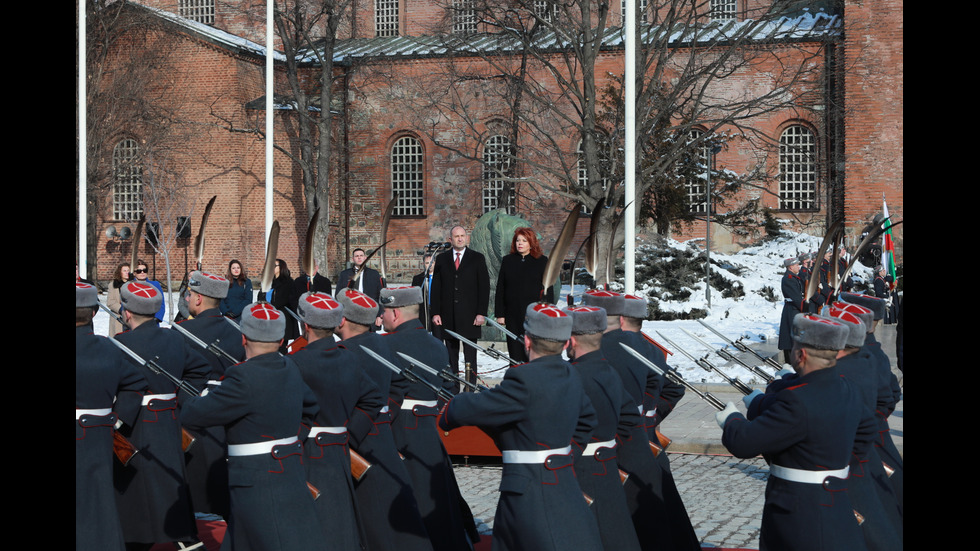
(283, 268)
(532, 240)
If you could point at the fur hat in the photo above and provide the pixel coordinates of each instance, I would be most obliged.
(140, 298)
(358, 307)
(261, 322)
(611, 301)
(819, 332)
(86, 295)
(207, 284)
(587, 320)
(396, 297)
(319, 310)
(547, 321)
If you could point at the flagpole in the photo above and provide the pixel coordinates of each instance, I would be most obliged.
(269, 115)
(629, 95)
(82, 104)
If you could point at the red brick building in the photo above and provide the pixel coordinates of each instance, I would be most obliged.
(841, 154)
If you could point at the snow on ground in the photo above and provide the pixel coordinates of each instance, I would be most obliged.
(751, 316)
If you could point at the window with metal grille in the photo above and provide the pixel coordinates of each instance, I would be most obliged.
(641, 10)
(498, 193)
(201, 11)
(697, 201)
(127, 181)
(547, 10)
(723, 10)
(386, 17)
(407, 159)
(797, 169)
(464, 17)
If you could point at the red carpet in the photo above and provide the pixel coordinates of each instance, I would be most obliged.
(212, 532)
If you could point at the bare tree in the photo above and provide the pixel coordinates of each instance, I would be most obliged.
(132, 99)
(700, 81)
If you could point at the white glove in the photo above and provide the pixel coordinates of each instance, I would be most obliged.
(722, 415)
(747, 400)
(784, 372)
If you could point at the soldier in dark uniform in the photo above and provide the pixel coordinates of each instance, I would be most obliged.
(534, 416)
(385, 498)
(262, 403)
(658, 406)
(207, 464)
(348, 400)
(808, 432)
(659, 516)
(101, 374)
(597, 468)
(793, 288)
(822, 296)
(152, 494)
(443, 510)
(889, 393)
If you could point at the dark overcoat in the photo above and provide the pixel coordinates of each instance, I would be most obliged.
(458, 296)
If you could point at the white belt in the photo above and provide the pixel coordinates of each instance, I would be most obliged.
(214, 382)
(98, 412)
(806, 477)
(148, 397)
(410, 404)
(331, 430)
(593, 447)
(257, 448)
(517, 456)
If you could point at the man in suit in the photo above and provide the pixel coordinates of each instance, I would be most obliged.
(370, 281)
(423, 280)
(460, 296)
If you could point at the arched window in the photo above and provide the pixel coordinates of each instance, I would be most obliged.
(697, 200)
(498, 191)
(407, 159)
(127, 181)
(386, 17)
(797, 169)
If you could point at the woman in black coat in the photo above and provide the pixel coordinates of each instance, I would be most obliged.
(519, 284)
(281, 298)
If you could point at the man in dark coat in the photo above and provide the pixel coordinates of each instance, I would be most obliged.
(101, 374)
(423, 280)
(597, 468)
(461, 297)
(385, 497)
(534, 416)
(808, 432)
(793, 290)
(207, 461)
(152, 493)
(348, 400)
(368, 283)
(262, 403)
(658, 512)
(443, 510)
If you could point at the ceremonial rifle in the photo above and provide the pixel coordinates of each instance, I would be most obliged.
(725, 354)
(186, 438)
(737, 344)
(353, 280)
(492, 352)
(552, 270)
(704, 364)
(865, 244)
(384, 237)
(213, 347)
(308, 265)
(445, 374)
(494, 323)
(671, 374)
(409, 374)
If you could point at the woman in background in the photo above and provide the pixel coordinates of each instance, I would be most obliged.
(119, 277)
(239, 290)
(518, 285)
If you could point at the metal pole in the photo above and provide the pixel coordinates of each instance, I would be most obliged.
(629, 28)
(269, 114)
(82, 104)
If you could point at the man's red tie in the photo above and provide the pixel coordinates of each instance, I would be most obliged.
(457, 261)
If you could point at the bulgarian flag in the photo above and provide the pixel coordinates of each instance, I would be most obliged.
(887, 244)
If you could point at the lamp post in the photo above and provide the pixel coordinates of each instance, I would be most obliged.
(713, 150)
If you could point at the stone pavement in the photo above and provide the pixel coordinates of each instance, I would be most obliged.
(723, 495)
